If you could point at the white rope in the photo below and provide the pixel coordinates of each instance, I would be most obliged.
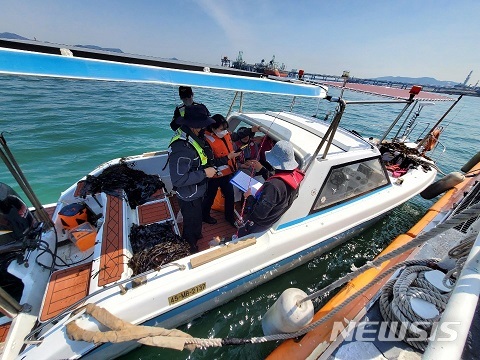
(459, 252)
(396, 308)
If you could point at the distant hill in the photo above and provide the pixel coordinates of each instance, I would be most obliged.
(417, 81)
(95, 47)
(12, 36)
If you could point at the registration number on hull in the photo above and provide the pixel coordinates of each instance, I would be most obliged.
(186, 293)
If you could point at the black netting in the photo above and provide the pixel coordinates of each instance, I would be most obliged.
(155, 245)
(138, 186)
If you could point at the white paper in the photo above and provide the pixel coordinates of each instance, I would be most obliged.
(243, 181)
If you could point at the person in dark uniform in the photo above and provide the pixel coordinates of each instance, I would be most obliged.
(277, 193)
(186, 95)
(189, 170)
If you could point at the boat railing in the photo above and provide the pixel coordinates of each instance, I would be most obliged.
(134, 281)
(464, 297)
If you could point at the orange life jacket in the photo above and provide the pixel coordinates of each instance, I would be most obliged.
(222, 147)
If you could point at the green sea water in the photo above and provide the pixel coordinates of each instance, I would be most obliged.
(61, 129)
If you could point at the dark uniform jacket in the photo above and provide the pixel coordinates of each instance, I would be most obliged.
(186, 170)
(272, 200)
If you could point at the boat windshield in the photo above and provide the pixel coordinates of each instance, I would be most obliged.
(348, 181)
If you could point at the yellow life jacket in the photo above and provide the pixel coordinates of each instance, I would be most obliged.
(181, 110)
(180, 135)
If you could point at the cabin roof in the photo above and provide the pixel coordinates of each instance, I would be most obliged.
(304, 132)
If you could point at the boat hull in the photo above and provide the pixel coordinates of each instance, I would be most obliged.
(194, 308)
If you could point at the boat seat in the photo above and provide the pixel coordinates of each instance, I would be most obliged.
(157, 211)
(65, 287)
(112, 258)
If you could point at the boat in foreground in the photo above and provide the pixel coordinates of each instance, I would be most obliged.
(113, 238)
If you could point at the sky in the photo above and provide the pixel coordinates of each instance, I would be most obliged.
(375, 38)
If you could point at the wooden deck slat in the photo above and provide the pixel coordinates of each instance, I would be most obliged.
(221, 251)
(221, 229)
(50, 210)
(111, 260)
(79, 188)
(4, 331)
(157, 195)
(153, 212)
(65, 288)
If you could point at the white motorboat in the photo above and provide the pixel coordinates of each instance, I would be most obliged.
(350, 183)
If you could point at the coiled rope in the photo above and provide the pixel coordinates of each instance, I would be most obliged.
(186, 340)
(395, 305)
(396, 308)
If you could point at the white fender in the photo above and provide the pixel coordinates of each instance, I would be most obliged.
(285, 316)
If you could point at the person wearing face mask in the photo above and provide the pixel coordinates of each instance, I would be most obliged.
(244, 141)
(189, 171)
(186, 95)
(221, 144)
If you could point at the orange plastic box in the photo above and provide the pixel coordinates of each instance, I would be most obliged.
(83, 236)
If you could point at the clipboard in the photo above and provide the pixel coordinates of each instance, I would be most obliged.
(243, 181)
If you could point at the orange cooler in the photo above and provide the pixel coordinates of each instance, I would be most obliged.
(83, 236)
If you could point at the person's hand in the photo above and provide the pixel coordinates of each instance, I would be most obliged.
(233, 154)
(210, 172)
(248, 193)
(255, 164)
(255, 128)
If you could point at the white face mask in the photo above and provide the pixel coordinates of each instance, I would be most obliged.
(221, 134)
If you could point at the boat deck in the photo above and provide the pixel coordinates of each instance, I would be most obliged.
(222, 228)
(70, 285)
(64, 289)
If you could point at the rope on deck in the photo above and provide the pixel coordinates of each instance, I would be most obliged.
(395, 305)
(124, 331)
